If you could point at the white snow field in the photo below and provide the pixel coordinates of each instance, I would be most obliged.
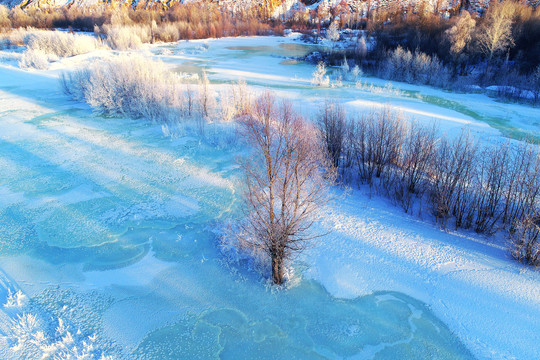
(108, 245)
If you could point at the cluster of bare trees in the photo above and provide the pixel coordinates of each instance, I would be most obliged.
(414, 67)
(179, 21)
(484, 187)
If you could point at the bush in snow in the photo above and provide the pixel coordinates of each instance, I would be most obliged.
(349, 74)
(167, 32)
(238, 102)
(387, 89)
(15, 299)
(486, 188)
(16, 37)
(356, 72)
(126, 37)
(525, 241)
(45, 46)
(132, 86)
(417, 67)
(206, 95)
(361, 48)
(61, 44)
(35, 59)
(319, 76)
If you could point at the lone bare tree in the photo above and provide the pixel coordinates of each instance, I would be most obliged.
(496, 34)
(287, 178)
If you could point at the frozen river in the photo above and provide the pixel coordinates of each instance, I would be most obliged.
(109, 225)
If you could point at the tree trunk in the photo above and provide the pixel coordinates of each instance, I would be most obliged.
(277, 269)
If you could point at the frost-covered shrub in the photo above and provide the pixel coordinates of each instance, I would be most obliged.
(345, 68)
(361, 47)
(417, 67)
(15, 37)
(45, 46)
(166, 32)
(525, 241)
(132, 86)
(126, 37)
(238, 102)
(206, 97)
(61, 44)
(356, 72)
(387, 89)
(319, 76)
(15, 299)
(337, 82)
(35, 59)
(33, 337)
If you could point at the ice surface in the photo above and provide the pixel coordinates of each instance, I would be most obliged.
(107, 226)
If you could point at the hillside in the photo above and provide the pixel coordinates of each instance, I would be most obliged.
(281, 6)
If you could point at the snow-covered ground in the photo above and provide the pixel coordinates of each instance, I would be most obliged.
(106, 231)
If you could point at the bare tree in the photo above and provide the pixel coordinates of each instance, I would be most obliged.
(451, 174)
(525, 246)
(319, 75)
(417, 156)
(522, 189)
(496, 34)
(207, 100)
(489, 186)
(286, 182)
(332, 33)
(189, 99)
(331, 123)
(385, 138)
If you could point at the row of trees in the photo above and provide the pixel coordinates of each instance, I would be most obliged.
(496, 47)
(508, 32)
(472, 44)
(484, 187)
(190, 20)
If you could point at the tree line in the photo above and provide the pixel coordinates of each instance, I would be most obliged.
(486, 187)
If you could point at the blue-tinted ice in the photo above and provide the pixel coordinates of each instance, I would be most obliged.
(79, 189)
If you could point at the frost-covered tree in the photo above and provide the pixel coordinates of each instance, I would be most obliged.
(332, 33)
(345, 66)
(460, 34)
(495, 35)
(356, 72)
(361, 47)
(319, 75)
(286, 180)
(207, 99)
